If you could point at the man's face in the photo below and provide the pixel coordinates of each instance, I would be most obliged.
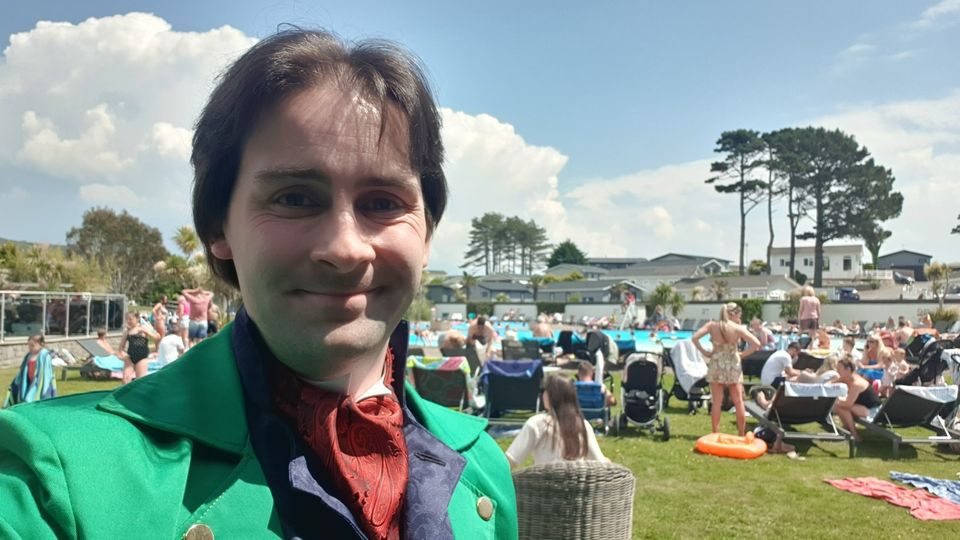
(326, 228)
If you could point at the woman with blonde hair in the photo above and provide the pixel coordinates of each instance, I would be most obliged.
(559, 434)
(723, 362)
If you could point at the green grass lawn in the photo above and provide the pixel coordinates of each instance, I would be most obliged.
(683, 494)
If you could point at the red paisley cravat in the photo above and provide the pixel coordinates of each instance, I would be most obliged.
(360, 444)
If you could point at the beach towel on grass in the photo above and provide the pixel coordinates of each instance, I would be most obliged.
(922, 504)
(947, 489)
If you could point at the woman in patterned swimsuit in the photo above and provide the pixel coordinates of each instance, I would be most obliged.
(723, 362)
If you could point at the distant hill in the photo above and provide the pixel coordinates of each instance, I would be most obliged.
(27, 245)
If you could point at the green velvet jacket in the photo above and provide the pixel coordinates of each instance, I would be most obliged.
(171, 450)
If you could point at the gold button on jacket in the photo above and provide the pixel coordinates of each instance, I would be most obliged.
(485, 508)
(200, 532)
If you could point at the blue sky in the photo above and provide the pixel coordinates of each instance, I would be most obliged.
(606, 113)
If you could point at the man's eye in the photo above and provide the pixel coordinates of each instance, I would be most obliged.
(294, 200)
(382, 204)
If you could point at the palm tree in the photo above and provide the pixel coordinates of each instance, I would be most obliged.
(469, 280)
(186, 239)
(939, 275)
(535, 282)
(676, 303)
(697, 293)
(720, 289)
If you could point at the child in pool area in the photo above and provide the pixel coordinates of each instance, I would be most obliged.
(894, 367)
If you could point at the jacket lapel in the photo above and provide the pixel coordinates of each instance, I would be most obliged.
(198, 396)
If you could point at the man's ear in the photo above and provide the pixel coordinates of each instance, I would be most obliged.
(221, 248)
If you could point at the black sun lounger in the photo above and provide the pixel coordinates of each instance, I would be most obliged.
(914, 406)
(798, 403)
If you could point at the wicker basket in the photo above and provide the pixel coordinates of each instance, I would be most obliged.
(575, 500)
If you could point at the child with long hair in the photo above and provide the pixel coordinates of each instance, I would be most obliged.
(559, 434)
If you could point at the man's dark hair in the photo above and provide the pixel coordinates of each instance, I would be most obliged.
(289, 62)
(795, 346)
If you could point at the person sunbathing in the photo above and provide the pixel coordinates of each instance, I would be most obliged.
(542, 328)
(854, 328)
(860, 397)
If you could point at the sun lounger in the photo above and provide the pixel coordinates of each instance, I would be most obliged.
(447, 387)
(752, 365)
(473, 359)
(93, 350)
(798, 403)
(914, 406)
(806, 360)
(511, 386)
(687, 324)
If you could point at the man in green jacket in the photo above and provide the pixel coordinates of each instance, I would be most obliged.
(318, 185)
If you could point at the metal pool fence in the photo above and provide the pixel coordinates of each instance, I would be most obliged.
(59, 314)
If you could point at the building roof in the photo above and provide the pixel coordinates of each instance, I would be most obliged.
(701, 259)
(567, 268)
(646, 269)
(614, 260)
(501, 277)
(585, 285)
(905, 251)
(503, 286)
(839, 248)
(739, 282)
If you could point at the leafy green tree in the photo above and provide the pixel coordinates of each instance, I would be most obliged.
(848, 189)
(566, 252)
(788, 166)
(744, 154)
(873, 235)
(50, 268)
(501, 297)
(955, 230)
(573, 276)
(757, 268)
(505, 244)
(574, 298)
(121, 245)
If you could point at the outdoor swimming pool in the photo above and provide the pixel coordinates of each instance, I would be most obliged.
(638, 340)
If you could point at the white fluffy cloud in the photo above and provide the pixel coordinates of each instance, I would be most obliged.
(945, 12)
(100, 112)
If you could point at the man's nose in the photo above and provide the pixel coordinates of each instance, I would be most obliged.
(341, 242)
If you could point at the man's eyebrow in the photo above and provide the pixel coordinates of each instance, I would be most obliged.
(283, 173)
(390, 182)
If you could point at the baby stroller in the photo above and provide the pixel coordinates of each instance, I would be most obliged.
(932, 364)
(690, 375)
(641, 392)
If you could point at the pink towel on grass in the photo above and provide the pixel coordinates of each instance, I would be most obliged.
(921, 503)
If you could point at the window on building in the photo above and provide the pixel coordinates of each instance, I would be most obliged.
(807, 261)
(784, 262)
(744, 295)
(848, 263)
(826, 263)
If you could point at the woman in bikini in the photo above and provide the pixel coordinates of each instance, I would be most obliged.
(723, 362)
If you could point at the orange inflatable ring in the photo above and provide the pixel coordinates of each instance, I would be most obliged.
(718, 444)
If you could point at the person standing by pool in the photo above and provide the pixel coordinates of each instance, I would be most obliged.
(199, 301)
(135, 347)
(542, 328)
(809, 311)
(160, 316)
(35, 380)
(183, 320)
(723, 361)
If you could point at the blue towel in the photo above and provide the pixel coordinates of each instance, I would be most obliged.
(111, 362)
(946, 489)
